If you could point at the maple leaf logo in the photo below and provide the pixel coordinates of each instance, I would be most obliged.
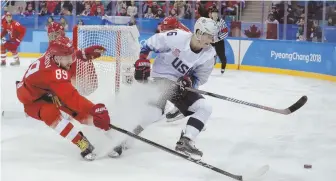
(253, 32)
(225, 30)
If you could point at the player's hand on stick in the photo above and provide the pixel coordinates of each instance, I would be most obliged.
(90, 53)
(142, 69)
(184, 82)
(101, 118)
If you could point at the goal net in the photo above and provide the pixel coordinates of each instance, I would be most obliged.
(108, 73)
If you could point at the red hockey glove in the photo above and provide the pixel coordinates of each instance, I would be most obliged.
(142, 69)
(101, 118)
(90, 53)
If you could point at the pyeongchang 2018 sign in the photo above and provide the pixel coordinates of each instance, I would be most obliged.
(302, 56)
(295, 56)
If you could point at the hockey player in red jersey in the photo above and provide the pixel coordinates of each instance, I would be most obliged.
(46, 90)
(56, 30)
(16, 33)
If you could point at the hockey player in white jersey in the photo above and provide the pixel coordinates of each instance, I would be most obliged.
(184, 60)
(174, 114)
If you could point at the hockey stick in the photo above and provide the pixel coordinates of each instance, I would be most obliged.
(236, 177)
(297, 105)
(13, 114)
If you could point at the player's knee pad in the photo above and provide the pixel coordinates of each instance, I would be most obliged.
(202, 110)
(49, 113)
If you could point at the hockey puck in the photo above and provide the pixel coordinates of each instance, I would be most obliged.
(307, 166)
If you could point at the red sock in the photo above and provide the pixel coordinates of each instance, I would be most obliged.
(68, 131)
(16, 56)
(3, 57)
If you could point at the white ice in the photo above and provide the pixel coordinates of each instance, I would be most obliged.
(238, 138)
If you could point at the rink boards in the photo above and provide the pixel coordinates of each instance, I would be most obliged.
(306, 59)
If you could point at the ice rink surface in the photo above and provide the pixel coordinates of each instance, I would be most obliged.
(238, 138)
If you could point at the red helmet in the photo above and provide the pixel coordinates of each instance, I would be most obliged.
(55, 28)
(169, 23)
(61, 47)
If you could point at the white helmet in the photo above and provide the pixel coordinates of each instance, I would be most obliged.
(206, 25)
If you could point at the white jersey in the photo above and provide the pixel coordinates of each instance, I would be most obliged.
(176, 59)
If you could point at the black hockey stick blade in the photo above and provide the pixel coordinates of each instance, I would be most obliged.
(302, 101)
(173, 152)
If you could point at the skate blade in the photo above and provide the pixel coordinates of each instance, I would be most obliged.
(254, 176)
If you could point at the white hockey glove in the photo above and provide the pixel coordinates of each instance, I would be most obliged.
(3, 40)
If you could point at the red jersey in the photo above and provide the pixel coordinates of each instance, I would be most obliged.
(44, 76)
(15, 30)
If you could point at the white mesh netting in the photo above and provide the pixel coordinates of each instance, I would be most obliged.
(106, 74)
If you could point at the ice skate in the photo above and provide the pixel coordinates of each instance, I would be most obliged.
(186, 146)
(118, 150)
(87, 149)
(15, 63)
(3, 63)
(174, 115)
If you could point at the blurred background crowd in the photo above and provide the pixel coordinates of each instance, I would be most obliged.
(146, 9)
(294, 20)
